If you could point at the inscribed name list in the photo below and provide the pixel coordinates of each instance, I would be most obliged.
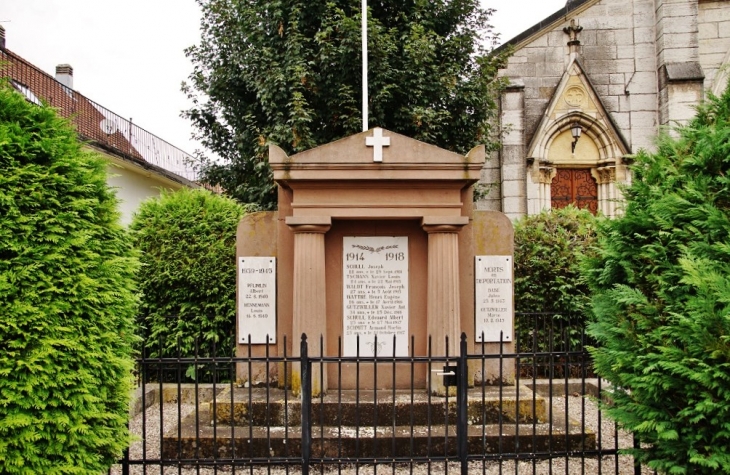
(494, 298)
(257, 300)
(375, 295)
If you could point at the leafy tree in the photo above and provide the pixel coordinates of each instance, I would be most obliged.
(187, 240)
(289, 73)
(662, 302)
(67, 300)
(548, 250)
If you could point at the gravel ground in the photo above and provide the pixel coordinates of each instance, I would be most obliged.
(578, 408)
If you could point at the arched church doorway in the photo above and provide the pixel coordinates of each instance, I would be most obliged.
(576, 186)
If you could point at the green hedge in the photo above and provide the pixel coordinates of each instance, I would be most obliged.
(67, 300)
(662, 300)
(548, 249)
(187, 240)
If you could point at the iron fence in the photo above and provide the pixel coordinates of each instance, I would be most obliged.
(497, 412)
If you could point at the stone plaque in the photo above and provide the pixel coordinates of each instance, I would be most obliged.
(494, 296)
(257, 299)
(375, 295)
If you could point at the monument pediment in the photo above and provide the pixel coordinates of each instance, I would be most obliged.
(370, 240)
(377, 154)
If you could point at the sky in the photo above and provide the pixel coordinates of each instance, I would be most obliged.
(129, 56)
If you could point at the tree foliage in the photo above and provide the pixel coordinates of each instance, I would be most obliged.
(67, 300)
(548, 250)
(187, 240)
(662, 299)
(289, 73)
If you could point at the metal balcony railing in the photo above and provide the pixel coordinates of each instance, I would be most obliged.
(95, 123)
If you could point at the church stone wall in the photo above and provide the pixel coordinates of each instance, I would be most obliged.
(617, 51)
(714, 42)
(650, 62)
(490, 189)
(676, 31)
(680, 74)
(530, 65)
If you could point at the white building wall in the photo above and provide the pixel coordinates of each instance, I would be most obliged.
(134, 184)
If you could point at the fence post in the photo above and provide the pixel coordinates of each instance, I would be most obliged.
(462, 400)
(306, 405)
(637, 465)
(125, 459)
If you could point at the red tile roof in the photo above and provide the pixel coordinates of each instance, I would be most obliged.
(96, 124)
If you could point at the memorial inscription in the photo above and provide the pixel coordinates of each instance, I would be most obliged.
(494, 298)
(257, 300)
(375, 295)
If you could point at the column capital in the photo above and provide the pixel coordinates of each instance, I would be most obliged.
(309, 224)
(443, 224)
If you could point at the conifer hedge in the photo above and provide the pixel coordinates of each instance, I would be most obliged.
(67, 300)
(187, 240)
(662, 302)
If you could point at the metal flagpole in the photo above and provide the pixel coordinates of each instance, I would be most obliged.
(364, 65)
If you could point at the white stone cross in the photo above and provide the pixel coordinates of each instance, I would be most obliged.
(377, 141)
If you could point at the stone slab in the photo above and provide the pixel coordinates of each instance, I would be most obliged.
(199, 436)
(275, 407)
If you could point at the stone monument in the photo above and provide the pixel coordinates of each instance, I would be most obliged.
(375, 235)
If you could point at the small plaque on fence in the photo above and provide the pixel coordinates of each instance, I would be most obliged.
(494, 298)
(257, 300)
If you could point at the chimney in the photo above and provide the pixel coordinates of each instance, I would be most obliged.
(65, 75)
(2, 37)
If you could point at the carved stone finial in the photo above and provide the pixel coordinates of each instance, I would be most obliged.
(572, 31)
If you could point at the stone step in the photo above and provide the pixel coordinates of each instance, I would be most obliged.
(200, 439)
(274, 407)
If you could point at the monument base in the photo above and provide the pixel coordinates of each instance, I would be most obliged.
(260, 422)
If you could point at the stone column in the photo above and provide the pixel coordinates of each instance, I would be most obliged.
(681, 78)
(443, 301)
(605, 177)
(611, 192)
(515, 194)
(309, 314)
(546, 174)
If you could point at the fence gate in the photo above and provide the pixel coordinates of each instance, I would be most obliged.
(191, 413)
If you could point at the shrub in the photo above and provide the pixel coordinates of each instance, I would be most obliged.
(67, 301)
(548, 248)
(187, 240)
(662, 301)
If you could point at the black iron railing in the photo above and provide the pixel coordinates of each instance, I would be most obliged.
(486, 413)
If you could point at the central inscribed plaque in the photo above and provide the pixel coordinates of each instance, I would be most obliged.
(375, 295)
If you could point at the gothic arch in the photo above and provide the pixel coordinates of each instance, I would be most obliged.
(605, 164)
(575, 101)
(607, 146)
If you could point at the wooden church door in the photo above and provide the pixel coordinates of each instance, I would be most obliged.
(574, 185)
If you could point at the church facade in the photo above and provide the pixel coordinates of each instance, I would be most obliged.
(589, 87)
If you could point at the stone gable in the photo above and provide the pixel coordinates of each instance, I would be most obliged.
(648, 62)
